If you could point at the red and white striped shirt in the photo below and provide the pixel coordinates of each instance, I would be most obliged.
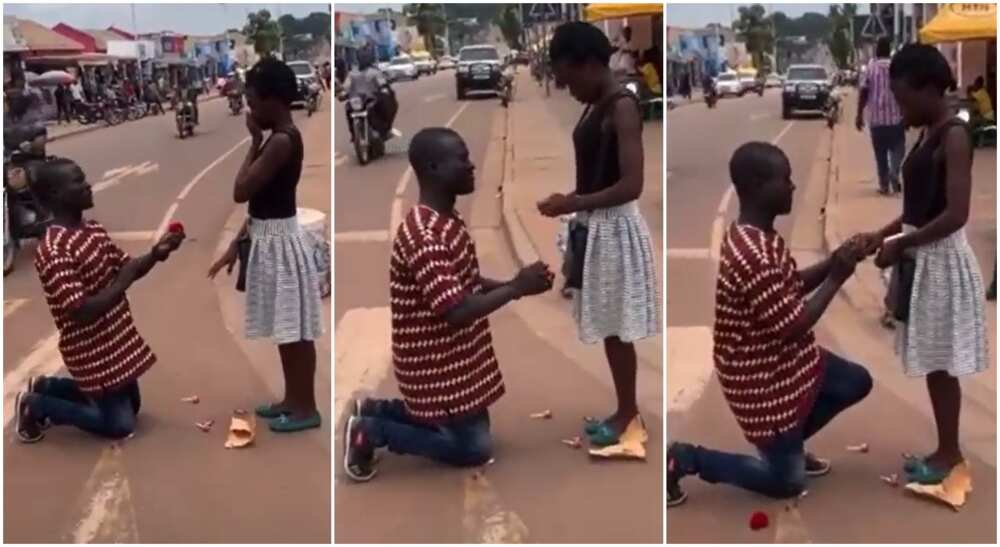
(443, 371)
(76, 263)
(882, 108)
(770, 383)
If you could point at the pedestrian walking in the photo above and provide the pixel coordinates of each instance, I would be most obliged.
(85, 277)
(611, 254)
(938, 291)
(282, 279)
(442, 347)
(781, 386)
(885, 122)
(61, 96)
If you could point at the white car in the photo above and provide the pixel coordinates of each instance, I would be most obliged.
(400, 68)
(774, 80)
(446, 63)
(728, 83)
(425, 63)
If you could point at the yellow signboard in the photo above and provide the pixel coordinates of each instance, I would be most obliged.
(957, 22)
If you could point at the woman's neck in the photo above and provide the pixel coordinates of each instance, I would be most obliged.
(609, 86)
(284, 120)
(940, 116)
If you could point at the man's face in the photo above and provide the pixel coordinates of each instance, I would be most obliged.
(73, 193)
(775, 195)
(455, 169)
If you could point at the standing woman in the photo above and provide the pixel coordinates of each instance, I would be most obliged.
(282, 279)
(616, 301)
(944, 334)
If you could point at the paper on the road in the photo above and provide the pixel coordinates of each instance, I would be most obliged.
(242, 430)
(951, 491)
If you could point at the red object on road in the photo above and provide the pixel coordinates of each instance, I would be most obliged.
(175, 228)
(758, 520)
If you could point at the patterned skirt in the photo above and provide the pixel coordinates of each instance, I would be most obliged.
(283, 283)
(619, 295)
(947, 326)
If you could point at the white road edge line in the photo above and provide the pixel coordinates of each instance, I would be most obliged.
(395, 216)
(11, 306)
(361, 236)
(197, 178)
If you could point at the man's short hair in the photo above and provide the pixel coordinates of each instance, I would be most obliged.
(47, 177)
(755, 163)
(428, 145)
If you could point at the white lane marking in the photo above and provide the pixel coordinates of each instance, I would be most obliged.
(12, 305)
(197, 178)
(107, 514)
(114, 177)
(434, 97)
(395, 217)
(689, 354)
(341, 159)
(361, 236)
(162, 229)
(143, 235)
(759, 116)
(43, 359)
(363, 359)
(718, 225)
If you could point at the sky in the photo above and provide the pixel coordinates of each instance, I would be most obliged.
(181, 18)
(699, 15)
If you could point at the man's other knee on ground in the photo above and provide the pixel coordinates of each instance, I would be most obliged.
(121, 427)
(477, 452)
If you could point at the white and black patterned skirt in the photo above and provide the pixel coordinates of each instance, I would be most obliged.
(283, 282)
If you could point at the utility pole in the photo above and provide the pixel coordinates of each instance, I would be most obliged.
(135, 32)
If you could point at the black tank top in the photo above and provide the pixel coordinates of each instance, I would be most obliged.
(596, 146)
(277, 198)
(924, 177)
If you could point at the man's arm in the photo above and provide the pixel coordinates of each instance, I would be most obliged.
(814, 275)
(473, 307)
(491, 284)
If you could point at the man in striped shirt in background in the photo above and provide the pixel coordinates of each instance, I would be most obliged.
(885, 121)
(85, 276)
(780, 385)
(442, 349)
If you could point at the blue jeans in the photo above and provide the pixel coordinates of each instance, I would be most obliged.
(60, 401)
(780, 471)
(461, 441)
(889, 142)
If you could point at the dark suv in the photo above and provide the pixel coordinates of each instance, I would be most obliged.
(807, 87)
(478, 69)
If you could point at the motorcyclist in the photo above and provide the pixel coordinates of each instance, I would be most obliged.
(707, 86)
(369, 82)
(189, 91)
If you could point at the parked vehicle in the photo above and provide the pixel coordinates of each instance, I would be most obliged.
(446, 62)
(305, 76)
(479, 69)
(728, 83)
(400, 68)
(774, 80)
(24, 216)
(424, 63)
(99, 111)
(807, 87)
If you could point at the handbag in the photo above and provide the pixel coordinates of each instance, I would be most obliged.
(897, 298)
(243, 257)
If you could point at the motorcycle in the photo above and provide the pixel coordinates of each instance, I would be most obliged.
(505, 89)
(184, 118)
(831, 110)
(711, 98)
(368, 143)
(88, 113)
(235, 103)
(311, 93)
(24, 217)
(136, 110)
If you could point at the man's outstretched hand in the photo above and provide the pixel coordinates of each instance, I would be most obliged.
(845, 259)
(533, 279)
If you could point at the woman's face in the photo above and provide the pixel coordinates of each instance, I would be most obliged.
(581, 80)
(916, 105)
(261, 110)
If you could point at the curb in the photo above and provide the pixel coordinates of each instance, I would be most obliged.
(525, 252)
(95, 127)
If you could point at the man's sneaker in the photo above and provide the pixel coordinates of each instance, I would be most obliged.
(28, 430)
(675, 496)
(816, 467)
(46, 423)
(359, 454)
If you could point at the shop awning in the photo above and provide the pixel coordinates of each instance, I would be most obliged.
(82, 59)
(600, 12)
(957, 22)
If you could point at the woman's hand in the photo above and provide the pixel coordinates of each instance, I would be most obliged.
(890, 253)
(256, 133)
(227, 260)
(556, 205)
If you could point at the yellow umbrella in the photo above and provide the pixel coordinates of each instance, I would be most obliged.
(600, 12)
(957, 22)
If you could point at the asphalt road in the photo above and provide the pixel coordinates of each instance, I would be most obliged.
(851, 504)
(171, 482)
(537, 490)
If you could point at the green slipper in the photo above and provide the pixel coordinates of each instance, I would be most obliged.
(591, 425)
(284, 424)
(604, 435)
(925, 474)
(269, 411)
(911, 462)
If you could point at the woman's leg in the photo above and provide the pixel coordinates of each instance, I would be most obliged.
(622, 360)
(298, 361)
(946, 400)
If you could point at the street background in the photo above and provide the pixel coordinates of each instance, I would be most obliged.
(171, 482)
(834, 173)
(538, 489)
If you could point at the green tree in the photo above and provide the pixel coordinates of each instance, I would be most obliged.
(263, 32)
(429, 20)
(757, 32)
(839, 40)
(510, 26)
